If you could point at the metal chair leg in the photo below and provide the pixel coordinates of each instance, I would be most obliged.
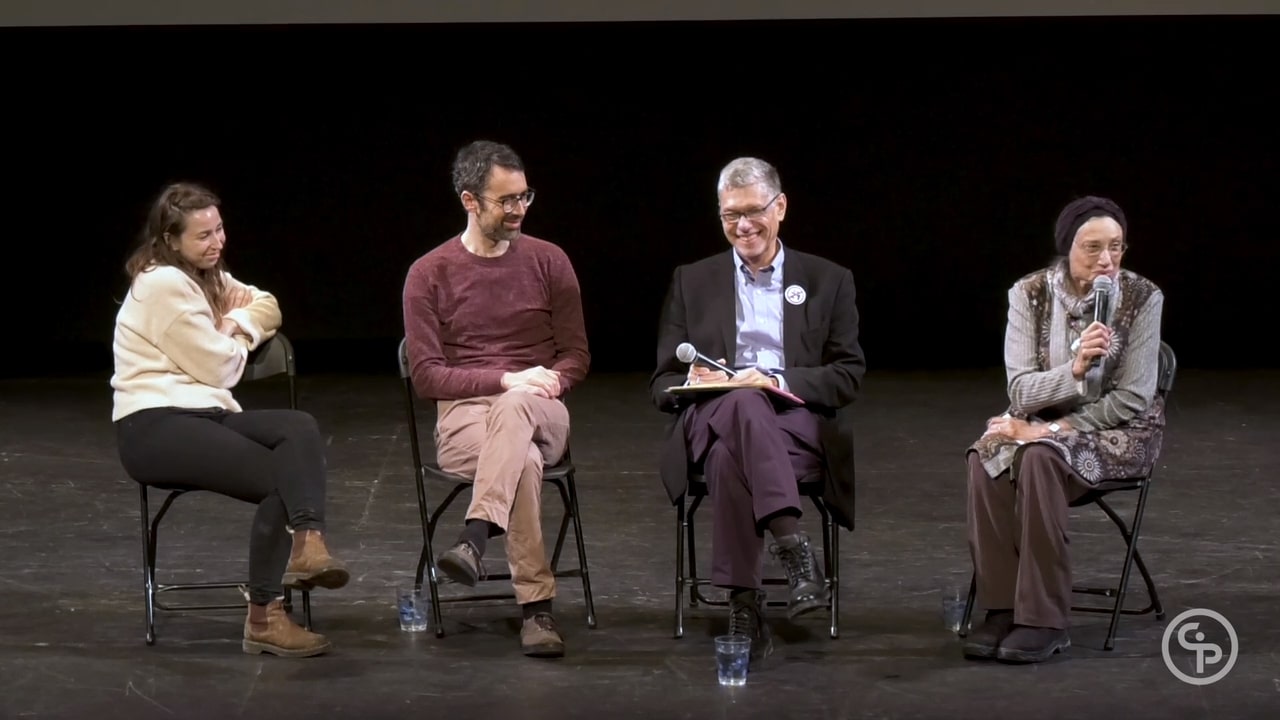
(572, 508)
(148, 567)
(832, 554)
(680, 574)
(968, 606)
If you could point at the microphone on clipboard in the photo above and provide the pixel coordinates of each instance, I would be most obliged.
(687, 353)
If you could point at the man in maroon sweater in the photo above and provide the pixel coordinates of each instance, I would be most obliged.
(495, 334)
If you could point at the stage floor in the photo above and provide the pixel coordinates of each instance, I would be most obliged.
(71, 591)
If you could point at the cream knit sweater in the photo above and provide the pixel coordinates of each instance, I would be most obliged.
(168, 350)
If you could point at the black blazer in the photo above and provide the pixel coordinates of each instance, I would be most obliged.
(825, 365)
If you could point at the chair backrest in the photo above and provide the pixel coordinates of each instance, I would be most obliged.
(1168, 369)
(274, 357)
(411, 411)
(404, 359)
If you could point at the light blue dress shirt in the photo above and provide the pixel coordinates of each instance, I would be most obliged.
(759, 315)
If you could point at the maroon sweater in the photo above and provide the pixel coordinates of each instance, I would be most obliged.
(468, 319)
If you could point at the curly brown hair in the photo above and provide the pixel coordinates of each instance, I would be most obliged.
(167, 220)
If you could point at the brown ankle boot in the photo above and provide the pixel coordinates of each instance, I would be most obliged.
(280, 636)
(312, 566)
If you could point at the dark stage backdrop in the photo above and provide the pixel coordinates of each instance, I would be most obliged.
(930, 156)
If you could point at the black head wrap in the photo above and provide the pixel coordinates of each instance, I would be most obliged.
(1080, 211)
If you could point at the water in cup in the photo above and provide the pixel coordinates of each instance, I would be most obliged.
(733, 655)
(413, 609)
(953, 606)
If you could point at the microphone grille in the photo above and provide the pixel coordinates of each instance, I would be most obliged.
(686, 353)
(1102, 282)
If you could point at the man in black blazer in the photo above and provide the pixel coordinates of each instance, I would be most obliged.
(775, 316)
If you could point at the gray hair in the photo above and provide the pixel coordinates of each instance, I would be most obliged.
(748, 171)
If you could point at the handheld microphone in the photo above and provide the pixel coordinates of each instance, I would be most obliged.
(1102, 299)
(1101, 305)
(687, 353)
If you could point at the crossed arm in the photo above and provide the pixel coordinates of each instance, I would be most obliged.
(211, 350)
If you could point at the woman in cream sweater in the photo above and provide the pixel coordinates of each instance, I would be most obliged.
(182, 340)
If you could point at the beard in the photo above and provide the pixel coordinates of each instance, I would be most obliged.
(497, 231)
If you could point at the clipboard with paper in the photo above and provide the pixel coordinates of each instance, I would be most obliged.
(723, 387)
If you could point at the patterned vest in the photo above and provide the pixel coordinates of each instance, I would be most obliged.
(1127, 451)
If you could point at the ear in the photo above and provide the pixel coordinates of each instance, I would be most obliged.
(781, 204)
(469, 202)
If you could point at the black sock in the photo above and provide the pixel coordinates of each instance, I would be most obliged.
(477, 532)
(533, 608)
(745, 595)
(782, 525)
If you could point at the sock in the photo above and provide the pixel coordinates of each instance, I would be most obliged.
(533, 608)
(743, 595)
(477, 532)
(784, 525)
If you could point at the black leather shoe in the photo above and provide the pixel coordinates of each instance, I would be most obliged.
(808, 588)
(746, 617)
(984, 642)
(1025, 644)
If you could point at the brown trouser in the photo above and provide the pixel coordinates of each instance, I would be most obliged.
(1018, 536)
(502, 441)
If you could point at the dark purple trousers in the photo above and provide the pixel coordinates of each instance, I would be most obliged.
(752, 455)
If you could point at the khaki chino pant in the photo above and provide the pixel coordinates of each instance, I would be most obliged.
(502, 441)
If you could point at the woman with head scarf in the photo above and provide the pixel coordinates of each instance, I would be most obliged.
(1083, 408)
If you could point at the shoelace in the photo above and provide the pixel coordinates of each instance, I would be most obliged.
(741, 621)
(470, 549)
(795, 561)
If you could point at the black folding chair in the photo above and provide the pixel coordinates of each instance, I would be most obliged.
(560, 475)
(271, 358)
(1164, 385)
(687, 576)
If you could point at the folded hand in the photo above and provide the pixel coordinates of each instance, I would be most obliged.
(548, 381)
(530, 390)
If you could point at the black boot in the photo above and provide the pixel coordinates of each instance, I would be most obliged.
(809, 590)
(985, 641)
(1026, 644)
(746, 617)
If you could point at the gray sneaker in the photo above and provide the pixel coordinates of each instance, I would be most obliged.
(462, 564)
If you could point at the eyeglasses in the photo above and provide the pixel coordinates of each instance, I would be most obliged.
(731, 218)
(509, 203)
(1093, 250)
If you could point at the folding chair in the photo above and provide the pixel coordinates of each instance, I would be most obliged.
(561, 475)
(271, 358)
(1164, 385)
(810, 487)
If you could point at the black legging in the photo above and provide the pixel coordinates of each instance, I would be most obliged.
(273, 458)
